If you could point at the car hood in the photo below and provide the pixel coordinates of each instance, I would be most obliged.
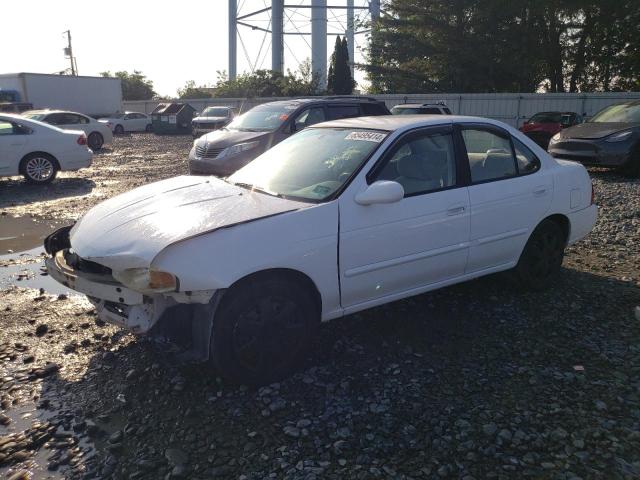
(595, 130)
(210, 119)
(540, 127)
(226, 138)
(129, 230)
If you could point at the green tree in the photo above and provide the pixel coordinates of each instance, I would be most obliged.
(497, 46)
(135, 86)
(339, 79)
(190, 90)
(268, 83)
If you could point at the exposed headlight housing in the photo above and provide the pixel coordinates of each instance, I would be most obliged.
(556, 137)
(240, 147)
(145, 280)
(620, 136)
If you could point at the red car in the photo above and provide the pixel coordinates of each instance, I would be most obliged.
(544, 125)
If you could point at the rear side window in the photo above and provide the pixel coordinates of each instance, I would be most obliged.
(490, 155)
(336, 112)
(430, 111)
(527, 161)
(373, 109)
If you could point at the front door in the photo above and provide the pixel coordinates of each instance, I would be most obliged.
(388, 250)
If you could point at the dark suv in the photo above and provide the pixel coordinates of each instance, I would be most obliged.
(226, 150)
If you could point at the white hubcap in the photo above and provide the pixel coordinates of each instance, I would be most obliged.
(39, 169)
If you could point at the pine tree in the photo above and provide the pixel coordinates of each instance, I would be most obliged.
(339, 81)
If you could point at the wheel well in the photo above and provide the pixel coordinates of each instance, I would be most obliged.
(563, 222)
(21, 165)
(285, 274)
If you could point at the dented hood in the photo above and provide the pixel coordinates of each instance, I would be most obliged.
(129, 230)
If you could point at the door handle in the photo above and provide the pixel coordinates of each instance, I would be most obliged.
(539, 191)
(455, 210)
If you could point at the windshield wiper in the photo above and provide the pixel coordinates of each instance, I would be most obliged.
(255, 188)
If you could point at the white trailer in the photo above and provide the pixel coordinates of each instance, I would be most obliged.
(93, 96)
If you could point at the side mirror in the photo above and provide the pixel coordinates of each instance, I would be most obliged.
(382, 191)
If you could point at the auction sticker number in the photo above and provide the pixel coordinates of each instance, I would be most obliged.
(376, 137)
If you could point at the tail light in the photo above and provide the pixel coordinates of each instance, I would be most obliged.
(593, 194)
(82, 139)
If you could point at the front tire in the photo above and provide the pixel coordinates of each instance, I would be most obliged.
(39, 168)
(542, 256)
(631, 168)
(119, 130)
(95, 141)
(262, 330)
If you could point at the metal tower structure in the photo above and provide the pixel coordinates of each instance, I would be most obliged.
(318, 19)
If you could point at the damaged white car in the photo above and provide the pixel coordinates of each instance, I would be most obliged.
(338, 218)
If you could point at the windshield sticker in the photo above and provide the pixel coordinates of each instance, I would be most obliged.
(366, 136)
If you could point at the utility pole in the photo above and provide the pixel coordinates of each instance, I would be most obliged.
(68, 51)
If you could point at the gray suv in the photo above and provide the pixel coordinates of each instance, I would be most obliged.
(226, 150)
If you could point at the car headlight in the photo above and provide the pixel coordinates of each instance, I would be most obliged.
(619, 137)
(556, 137)
(145, 280)
(240, 147)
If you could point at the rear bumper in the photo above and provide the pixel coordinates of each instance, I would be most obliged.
(75, 160)
(582, 223)
(114, 302)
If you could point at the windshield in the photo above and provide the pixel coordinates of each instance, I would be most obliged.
(34, 116)
(546, 117)
(215, 112)
(624, 113)
(263, 118)
(310, 165)
(405, 111)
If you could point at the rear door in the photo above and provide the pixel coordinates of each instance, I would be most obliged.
(508, 192)
(13, 146)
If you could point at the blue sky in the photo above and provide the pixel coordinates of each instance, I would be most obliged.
(170, 42)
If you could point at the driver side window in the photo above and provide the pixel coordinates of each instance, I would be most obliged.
(307, 118)
(422, 163)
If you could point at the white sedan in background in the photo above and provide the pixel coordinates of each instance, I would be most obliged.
(38, 151)
(120, 123)
(98, 134)
(343, 216)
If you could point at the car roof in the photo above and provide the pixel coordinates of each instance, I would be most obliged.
(400, 122)
(337, 98)
(50, 110)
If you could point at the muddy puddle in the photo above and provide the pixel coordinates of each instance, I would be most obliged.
(22, 254)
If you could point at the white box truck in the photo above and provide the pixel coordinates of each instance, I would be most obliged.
(93, 96)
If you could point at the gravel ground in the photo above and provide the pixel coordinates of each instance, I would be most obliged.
(478, 380)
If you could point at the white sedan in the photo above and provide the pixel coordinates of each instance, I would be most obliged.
(98, 134)
(38, 151)
(340, 217)
(120, 123)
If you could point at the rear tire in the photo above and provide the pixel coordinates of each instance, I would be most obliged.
(39, 168)
(119, 130)
(542, 256)
(262, 329)
(95, 141)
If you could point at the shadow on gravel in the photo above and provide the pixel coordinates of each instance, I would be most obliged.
(477, 379)
(15, 191)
